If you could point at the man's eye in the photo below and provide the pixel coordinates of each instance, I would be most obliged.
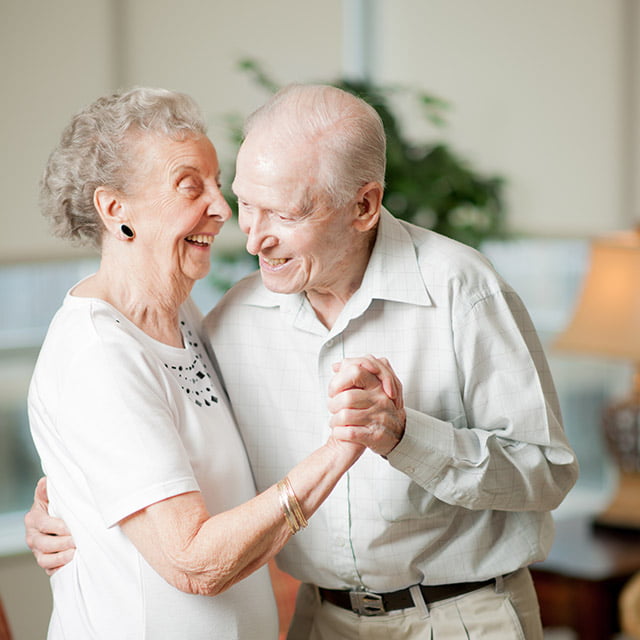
(189, 185)
(287, 217)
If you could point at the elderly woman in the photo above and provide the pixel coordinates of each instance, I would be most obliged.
(143, 459)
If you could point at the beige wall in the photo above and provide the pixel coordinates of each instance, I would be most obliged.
(65, 54)
(55, 56)
(542, 92)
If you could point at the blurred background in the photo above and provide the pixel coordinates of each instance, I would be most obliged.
(541, 97)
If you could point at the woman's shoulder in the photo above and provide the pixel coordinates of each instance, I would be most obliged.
(91, 347)
(90, 330)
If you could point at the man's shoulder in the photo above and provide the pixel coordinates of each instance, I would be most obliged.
(442, 254)
(449, 268)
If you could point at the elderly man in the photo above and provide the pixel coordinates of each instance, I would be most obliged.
(430, 534)
(432, 530)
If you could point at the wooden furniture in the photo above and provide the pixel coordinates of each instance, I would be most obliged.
(579, 584)
(630, 608)
(5, 631)
(285, 588)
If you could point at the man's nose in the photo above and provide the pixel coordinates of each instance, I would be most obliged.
(256, 228)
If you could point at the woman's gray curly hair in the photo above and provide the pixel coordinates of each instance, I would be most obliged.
(93, 152)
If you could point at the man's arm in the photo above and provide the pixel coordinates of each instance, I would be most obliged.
(47, 537)
(507, 451)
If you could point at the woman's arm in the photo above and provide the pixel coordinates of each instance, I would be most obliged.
(192, 550)
(203, 554)
(200, 553)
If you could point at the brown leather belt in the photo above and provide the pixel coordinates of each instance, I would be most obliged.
(374, 604)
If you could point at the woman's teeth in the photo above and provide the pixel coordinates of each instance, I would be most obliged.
(199, 238)
(274, 262)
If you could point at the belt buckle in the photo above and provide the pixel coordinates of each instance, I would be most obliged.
(365, 603)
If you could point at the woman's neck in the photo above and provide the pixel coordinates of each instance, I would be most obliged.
(147, 299)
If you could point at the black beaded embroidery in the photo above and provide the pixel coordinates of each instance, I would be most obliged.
(194, 379)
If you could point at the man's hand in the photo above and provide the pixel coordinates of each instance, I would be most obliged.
(47, 537)
(365, 400)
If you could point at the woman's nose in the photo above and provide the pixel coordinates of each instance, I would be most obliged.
(219, 208)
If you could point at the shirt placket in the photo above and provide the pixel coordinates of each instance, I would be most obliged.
(339, 507)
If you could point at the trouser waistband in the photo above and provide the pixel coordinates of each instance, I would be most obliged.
(372, 604)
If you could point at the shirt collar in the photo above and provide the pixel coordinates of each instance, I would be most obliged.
(393, 274)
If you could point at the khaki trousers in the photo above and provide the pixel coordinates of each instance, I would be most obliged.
(504, 611)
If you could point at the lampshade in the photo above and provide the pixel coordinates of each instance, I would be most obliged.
(606, 320)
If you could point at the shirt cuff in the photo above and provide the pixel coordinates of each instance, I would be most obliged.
(426, 448)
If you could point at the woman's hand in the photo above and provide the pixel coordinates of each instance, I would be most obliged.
(366, 403)
(47, 537)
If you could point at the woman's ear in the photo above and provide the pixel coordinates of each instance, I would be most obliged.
(109, 207)
(368, 206)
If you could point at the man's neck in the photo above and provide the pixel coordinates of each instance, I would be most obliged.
(329, 302)
(327, 306)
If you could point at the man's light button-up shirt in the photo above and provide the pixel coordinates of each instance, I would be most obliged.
(466, 494)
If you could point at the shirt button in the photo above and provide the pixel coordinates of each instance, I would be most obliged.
(330, 342)
(411, 469)
(340, 541)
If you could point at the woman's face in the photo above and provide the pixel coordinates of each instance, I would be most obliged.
(174, 204)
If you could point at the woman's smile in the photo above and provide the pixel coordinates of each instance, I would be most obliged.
(200, 239)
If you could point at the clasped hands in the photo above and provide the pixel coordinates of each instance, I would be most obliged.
(366, 404)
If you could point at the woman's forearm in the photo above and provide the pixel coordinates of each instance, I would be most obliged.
(199, 553)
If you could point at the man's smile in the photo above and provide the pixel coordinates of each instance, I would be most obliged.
(273, 262)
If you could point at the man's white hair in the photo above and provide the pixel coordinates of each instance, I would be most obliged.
(346, 132)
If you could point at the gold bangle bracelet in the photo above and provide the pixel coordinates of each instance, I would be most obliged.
(286, 509)
(290, 506)
(295, 505)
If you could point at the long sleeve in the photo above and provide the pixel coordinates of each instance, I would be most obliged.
(508, 451)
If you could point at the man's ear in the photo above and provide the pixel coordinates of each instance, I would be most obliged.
(109, 207)
(368, 206)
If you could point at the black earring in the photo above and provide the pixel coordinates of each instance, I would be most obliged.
(127, 231)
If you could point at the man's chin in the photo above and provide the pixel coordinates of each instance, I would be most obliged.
(278, 285)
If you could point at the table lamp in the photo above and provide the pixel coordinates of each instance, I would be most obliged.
(606, 322)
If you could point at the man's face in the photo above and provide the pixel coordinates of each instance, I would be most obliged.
(302, 243)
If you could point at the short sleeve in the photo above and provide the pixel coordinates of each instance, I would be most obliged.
(117, 421)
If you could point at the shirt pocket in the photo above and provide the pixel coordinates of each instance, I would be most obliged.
(399, 498)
